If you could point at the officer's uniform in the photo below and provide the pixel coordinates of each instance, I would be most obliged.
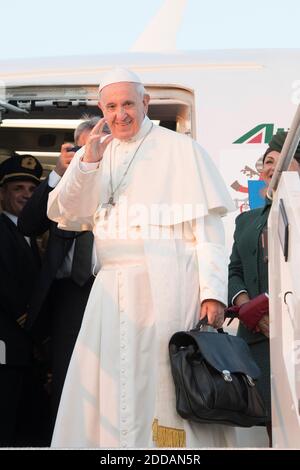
(22, 398)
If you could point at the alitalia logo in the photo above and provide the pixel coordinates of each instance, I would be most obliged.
(260, 134)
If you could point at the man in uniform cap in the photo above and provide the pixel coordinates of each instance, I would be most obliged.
(19, 177)
(163, 265)
(20, 168)
(21, 394)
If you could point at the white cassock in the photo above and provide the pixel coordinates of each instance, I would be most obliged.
(157, 263)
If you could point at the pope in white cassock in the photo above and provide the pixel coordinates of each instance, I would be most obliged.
(153, 199)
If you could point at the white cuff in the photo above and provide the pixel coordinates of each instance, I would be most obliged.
(236, 295)
(85, 167)
(53, 179)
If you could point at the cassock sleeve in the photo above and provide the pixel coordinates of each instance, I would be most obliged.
(212, 257)
(73, 202)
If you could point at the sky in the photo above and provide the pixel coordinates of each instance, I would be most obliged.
(32, 28)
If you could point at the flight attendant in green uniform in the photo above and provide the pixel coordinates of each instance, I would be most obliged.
(248, 269)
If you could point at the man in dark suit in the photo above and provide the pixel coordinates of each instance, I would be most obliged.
(62, 291)
(21, 392)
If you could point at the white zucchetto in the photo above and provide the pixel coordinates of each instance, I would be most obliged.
(117, 75)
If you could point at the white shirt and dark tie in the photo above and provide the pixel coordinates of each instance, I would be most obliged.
(80, 261)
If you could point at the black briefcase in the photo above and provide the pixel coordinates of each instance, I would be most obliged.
(215, 378)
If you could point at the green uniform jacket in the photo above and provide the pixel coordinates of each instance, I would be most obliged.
(248, 271)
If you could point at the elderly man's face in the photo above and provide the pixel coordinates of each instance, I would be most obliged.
(123, 108)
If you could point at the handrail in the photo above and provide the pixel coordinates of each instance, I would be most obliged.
(287, 153)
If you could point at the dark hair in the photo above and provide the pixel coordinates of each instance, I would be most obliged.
(269, 150)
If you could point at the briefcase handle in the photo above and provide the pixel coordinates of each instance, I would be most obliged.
(203, 322)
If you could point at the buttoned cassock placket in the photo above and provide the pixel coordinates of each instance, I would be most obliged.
(122, 154)
(121, 157)
(123, 361)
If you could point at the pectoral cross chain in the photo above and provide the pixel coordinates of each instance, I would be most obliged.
(111, 203)
(108, 205)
